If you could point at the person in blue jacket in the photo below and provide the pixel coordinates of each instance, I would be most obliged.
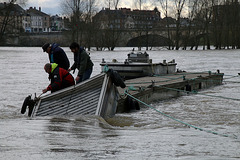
(56, 55)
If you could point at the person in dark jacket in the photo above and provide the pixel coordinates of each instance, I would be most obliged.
(56, 55)
(82, 62)
(60, 78)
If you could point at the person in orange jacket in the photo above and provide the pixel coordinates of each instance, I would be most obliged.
(60, 78)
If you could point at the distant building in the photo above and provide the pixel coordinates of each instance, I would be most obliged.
(40, 22)
(11, 18)
(57, 23)
(124, 18)
(32, 20)
(168, 22)
(66, 23)
(26, 22)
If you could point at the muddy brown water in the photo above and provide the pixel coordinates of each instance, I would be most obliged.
(145, 134)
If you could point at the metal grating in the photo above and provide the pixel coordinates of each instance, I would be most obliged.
(80, 99)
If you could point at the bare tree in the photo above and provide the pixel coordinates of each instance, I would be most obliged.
(189, 31)
(81, 13)
(179, 5)
(217, 22)
(113, 31)
(73, 8)
(115, 3)
(89, 26)
(164, 7)
(231, 24)
(208, 13)
(112, 4)
(139, 4)
(10, 18)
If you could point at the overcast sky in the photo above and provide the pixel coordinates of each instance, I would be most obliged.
(53, 6)
(47, 6)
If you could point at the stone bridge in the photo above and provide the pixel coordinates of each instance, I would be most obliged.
(141, 38)
(150, 38)
(128, 38)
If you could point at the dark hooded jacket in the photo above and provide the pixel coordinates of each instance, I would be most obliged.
(82, 61)
(58, 56)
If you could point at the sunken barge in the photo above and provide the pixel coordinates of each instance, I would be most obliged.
(107, 93)
(148, 82)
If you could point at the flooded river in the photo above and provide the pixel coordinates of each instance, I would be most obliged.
(145, 134)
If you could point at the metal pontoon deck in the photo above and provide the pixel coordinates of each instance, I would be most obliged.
(95, 96)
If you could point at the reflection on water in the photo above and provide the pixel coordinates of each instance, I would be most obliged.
(144, 134)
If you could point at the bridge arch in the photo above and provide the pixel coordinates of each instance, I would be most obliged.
(151, 40)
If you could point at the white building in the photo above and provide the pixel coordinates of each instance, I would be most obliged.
(40, 22)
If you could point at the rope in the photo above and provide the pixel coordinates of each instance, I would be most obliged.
(186, 73)
(195, 92)
(105, 69)
(232, 81)
(171, 79)
(187, 124)
(180, 77)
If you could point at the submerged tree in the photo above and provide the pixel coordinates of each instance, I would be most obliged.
(164, 7)
(80, 13)
(112, 32)
(179, 5)
(174, 8)
(73, 9)
(89, 28)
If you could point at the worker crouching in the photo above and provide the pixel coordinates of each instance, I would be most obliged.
(60, 78)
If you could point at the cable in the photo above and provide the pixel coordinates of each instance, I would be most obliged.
(187, 124)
